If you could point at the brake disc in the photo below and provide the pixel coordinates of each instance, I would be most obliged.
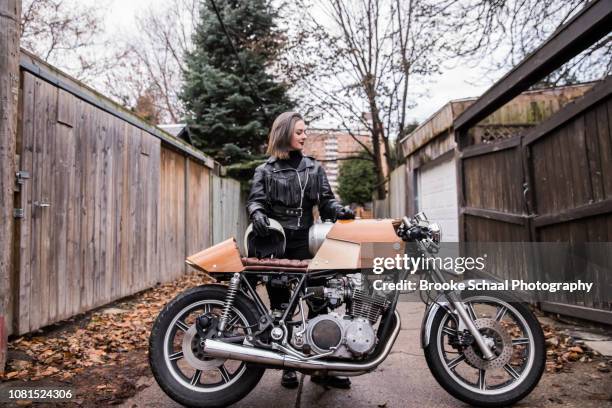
(494, 334)
(193, 351)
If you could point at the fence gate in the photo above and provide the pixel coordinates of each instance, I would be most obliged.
(88, 234)
(47, 155)
(549, 184)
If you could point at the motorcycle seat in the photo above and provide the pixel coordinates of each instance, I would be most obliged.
(275, 264)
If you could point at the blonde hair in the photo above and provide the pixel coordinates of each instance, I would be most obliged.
(279, 140)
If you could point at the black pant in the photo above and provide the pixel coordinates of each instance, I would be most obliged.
(296, 247)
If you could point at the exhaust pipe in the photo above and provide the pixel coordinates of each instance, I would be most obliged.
(220, 349)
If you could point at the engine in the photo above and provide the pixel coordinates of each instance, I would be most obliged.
(349, 335)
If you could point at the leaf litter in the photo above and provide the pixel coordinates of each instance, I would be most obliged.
(96, 345)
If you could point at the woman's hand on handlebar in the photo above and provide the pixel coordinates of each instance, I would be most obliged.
(345, 213)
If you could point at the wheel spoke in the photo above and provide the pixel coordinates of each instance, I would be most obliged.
(182, 325)
(470, 310)
(522, 340)
(207, 308)
(232, 322)
(196, 377)
(176, 356)
(455, 362)
(501, 312)
(510, 370)
(225, 374)
(482, 383)
(450, 332)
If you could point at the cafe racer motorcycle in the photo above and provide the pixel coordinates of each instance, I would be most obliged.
(210, 345)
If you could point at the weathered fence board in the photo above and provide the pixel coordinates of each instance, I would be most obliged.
(25, 202)
(87, 233)
(549, 184)
(198, 208)
(493, 181)
(108, 210)
(172, 205)
(381, 208)
(225, 194)
(397, 196)
(564, 173)
(112, 206)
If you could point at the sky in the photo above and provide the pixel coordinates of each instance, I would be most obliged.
(458, 82)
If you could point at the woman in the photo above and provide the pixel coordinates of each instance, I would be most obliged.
(286, 188)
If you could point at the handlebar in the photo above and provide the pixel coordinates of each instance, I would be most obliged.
(415, 229)
(418, 233)
(411, 230)
(418, 229)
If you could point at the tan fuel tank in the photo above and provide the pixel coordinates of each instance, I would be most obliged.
(353, 244)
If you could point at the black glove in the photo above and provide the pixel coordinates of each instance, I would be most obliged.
(345, 213)
(260, 223)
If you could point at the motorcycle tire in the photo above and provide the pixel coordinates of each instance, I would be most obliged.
(157, 361)
(453, 387)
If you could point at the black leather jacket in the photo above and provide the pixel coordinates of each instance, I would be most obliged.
(277, 191)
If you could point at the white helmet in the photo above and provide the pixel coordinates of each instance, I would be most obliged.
(270, 246)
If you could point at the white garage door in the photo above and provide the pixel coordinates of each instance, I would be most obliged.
(437, 197)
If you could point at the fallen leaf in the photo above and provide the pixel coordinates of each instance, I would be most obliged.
(50, 371)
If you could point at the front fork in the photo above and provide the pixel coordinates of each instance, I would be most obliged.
(459, 307)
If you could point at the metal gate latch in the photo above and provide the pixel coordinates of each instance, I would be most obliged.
(22, 176)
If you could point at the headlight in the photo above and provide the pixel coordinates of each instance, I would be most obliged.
(436, 232)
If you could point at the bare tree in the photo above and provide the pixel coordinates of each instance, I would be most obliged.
(146, 108)
(508, 31)
(362, 57)
(68, 34)
(151, 58)
(356, 61)
(141, 64)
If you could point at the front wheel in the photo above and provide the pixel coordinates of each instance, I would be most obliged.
(177, 360)
(511, 331)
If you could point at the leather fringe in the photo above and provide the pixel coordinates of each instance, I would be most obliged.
(287, 190)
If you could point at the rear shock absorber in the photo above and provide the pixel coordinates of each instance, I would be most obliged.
(232, 289)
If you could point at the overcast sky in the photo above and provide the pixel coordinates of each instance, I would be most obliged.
(454, 83)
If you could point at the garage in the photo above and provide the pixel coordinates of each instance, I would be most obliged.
(437, 195)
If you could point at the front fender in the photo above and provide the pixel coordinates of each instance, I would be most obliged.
(433, 308)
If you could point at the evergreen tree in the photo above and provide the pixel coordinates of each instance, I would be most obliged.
(230, 100)
(356, 180)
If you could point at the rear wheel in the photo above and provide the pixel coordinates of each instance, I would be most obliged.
(514, 335)
(177, 360)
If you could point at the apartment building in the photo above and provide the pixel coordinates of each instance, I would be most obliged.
(332, 146)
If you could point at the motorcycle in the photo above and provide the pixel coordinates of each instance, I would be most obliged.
(211, 344)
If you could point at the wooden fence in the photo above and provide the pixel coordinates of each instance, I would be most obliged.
(380, 208)
(227, 194)
(550, 183)
(109, 204)
(397, 193)
(394, 204)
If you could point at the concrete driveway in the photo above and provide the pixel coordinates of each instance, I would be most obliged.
(403, 380)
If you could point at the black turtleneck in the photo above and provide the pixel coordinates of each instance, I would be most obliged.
(295, 157)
